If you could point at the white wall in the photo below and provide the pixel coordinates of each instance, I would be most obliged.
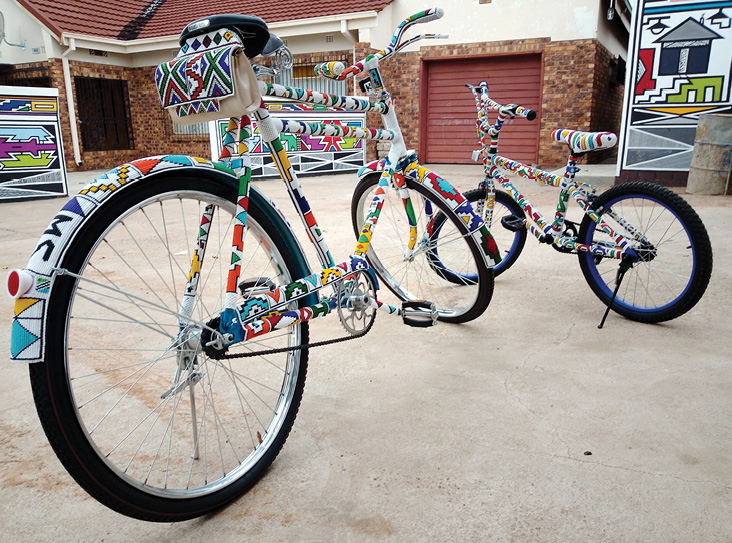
(20, 26)
(468, 21)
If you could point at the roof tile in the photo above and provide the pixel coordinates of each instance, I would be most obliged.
(130, 19)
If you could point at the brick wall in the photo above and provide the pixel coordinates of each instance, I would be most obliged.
(152, 128)
(577, 89)
(577, 93)
(607, 101)
(154, 134)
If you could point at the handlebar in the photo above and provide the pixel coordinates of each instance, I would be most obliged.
(339, 72)
(510, 110)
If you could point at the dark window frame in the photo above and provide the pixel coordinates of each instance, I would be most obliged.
(34, 76)
(302, 75)
(103, 107)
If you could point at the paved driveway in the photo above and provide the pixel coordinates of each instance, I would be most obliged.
(528, 424)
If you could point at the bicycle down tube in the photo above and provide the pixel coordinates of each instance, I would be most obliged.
(538, 225)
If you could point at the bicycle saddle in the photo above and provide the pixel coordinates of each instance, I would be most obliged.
(252, 30)
(581, 142)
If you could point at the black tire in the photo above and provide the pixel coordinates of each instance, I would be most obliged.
(410, 276)
(672, 272)
(118, 418)
(510, 243)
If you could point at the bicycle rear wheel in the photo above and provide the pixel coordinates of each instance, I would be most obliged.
(411, 275)
(136, 411)
(675, 261)
(510, 242)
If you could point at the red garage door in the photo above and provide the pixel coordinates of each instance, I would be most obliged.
(447, 119)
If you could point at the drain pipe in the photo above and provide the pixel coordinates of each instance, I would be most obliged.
(70, 101)
(350, 37)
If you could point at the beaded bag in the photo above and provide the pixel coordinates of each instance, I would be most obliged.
(210, 78)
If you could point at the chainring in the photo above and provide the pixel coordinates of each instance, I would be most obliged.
(356, 303)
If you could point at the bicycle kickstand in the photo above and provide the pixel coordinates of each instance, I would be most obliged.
(625, 264)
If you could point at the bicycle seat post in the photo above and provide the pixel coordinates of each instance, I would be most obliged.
(571, 169)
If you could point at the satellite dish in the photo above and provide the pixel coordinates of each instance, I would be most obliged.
(2, 34)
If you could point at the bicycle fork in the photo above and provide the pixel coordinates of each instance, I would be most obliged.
(264, 309)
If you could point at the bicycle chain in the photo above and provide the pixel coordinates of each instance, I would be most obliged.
(355, 335)
(295, 348)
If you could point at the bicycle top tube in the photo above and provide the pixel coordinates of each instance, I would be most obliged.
(349, 103)
(523, 170)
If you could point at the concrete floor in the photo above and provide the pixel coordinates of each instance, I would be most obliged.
(475, 432)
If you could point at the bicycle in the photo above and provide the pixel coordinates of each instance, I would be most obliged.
(151, 283)
(643, 250)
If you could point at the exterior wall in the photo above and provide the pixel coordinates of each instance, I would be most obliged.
(607, 101)
(151, 126)
(21, 27)
(577, 91)
(468, 21)
(578, 94)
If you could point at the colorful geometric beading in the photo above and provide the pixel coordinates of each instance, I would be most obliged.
(198, 78)
(200, 75)
(29, 321)
(581, 142)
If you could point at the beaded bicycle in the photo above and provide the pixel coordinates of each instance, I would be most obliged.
(643, 250)
(165, 310)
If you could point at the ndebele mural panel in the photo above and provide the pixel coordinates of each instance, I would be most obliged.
(681, 64)
(308, 154)
(31, 153)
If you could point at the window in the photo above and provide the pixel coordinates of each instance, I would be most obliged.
(25, 77)
(303, 76)
(104, 114)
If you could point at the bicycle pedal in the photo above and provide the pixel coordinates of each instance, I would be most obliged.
(512, 223)
(419, 313)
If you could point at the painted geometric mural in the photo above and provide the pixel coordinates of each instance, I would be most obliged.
(308, 154)
(680, 67)
(31, 153)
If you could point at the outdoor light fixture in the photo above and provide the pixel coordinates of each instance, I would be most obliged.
(2, 34)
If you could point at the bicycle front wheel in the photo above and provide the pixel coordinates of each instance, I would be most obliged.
(411, 274)
(675, 255)
(135, 409)
(510, 242)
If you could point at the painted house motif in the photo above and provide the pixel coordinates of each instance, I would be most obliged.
(686, 49)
